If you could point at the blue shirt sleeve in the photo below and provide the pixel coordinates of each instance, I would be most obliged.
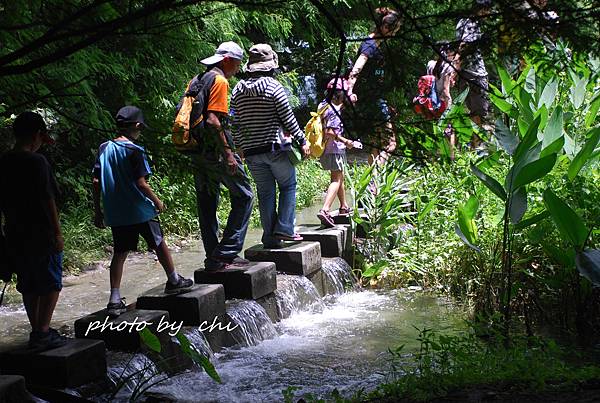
(139, 163)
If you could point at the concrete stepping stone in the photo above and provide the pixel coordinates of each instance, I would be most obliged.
(300, 258)
(12, 389)
(79, 361)
(121, 333)
(269, 303)
(332, 240)
(248, 282)
(201, 304)
(361, 230)
(317, 279)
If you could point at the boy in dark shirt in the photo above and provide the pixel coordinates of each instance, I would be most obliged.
(32, 229)
(130, 205)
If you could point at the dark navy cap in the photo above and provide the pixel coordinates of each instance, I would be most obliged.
(130, 114)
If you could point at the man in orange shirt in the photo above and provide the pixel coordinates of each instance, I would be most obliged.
(217, 164)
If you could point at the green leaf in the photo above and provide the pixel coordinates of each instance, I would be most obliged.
(529, 139)
(530, 82)
(518, 205)
(584, 154)
(578, 91)
(525, 106)
(549, 94)
(375, 269)
(590, 118)
(564, 257)
(569, 224)
(150, 340)
(489, 182)
(588, 264)
(463, 238)
(507, 82)
(189, 350)
(466, 219)
(542, 113)
(507, 139)
(553, 139)
(532, 220)
(533, 171)
(501, 103)
(462, 96)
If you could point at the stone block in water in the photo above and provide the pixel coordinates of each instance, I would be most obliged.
(295, 258)
(317, 279)
(219, 338)
(249, 282)
(348, 243)
(330, 239)
(295, 293)
(200, 305)
(269, 303)
(12, 389)
(361, 229)
(119, 333)
(79, 361)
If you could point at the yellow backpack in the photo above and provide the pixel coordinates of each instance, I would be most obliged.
(314, 133)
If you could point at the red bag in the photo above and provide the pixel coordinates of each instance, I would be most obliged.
(427, 103)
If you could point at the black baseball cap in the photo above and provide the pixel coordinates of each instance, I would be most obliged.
(130, 114)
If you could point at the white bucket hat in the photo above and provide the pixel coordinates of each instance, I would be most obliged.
(261, 58)
(230, 49)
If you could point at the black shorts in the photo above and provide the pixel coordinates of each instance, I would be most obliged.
(477, 100)
(126, 237)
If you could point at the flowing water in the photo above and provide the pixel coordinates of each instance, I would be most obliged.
(337, 342)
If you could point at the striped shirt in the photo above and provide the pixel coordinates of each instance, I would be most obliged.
(261, 113)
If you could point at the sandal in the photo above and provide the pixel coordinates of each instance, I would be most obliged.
(325, 219)
(293, 237)
(344, 211)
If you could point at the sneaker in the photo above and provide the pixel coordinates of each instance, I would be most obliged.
(115, 309)
(183, 284)
(344, 211)
(325, 219)
(42, 341)
(293, 237)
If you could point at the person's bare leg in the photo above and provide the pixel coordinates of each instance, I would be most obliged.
(341, 193)
(164, 257)
(332, 190)
(47, 304)
(32, 303)
(116, 268)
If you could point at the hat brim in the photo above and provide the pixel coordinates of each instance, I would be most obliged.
(214, 59)
(261, 66)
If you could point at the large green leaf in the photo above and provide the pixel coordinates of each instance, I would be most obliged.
(584, 154)
(507, 82)
(542, 113)
(569, 224)
(549, 94)
(150, 340)
(502, 104)
(525, 110)
(553, 138)
(466, 219)
(189, 350)
(530, 84)
(592, 112)
(533, 171)
(577, 92)
(463, 238)
(518, 205)
(489, 182)
(588, 264)
(529, 139)
(507, 139)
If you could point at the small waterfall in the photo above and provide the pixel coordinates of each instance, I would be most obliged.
(198, 340)
(337, 275)
(131, 370)
(254, 325)
(296, 293)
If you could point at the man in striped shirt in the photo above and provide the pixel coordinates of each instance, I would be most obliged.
(261, 115)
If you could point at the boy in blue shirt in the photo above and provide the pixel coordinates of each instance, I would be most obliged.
(130, 205)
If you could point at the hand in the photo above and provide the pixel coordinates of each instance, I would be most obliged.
(99, 220)
(59, 243)
(160, 207)
(349, 145)
(232, 165)
(353, 98)
(306, 150)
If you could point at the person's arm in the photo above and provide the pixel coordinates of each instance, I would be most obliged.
(145, 188)
(98, 215)
(54, 221)
(214, 122)
(287, 118)
(356, 69)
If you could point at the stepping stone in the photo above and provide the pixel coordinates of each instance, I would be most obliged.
(361, 230)
(121, 333)
(269, 303)
(249, 282)
(12, 389)
(317, 279)
(79, 361)
(217, 338)
(201, 304)
(331, 239)
(295, 258)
